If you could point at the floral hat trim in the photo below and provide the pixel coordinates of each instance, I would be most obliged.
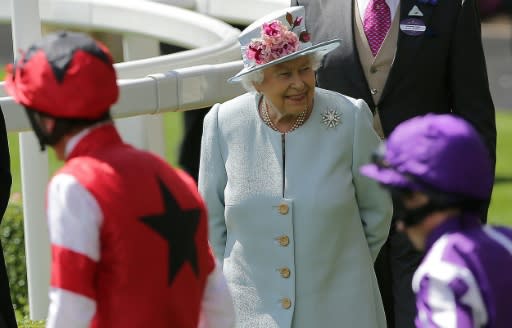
(277, 40)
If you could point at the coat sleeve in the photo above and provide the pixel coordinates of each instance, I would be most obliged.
(5, 167)
(375, 207)
(441, 307)
(468, 72)
(74, 221)
(212, 182)
(448, 294)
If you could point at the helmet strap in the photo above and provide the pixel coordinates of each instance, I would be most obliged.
(60, 129)
(44, 136)
(438, 201)
(413, 216)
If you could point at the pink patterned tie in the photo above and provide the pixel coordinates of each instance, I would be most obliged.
(377, 21)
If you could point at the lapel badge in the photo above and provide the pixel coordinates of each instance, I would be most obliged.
(415, 11)
(413, 26)
(331, 118)
(429, 2)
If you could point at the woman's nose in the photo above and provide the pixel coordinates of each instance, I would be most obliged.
(297, 81)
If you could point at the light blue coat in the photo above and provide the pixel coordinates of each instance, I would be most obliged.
(300, 254)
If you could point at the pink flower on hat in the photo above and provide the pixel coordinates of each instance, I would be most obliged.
(276, 41)
(273, 29)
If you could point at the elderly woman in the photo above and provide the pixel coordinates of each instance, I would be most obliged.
(295, 225)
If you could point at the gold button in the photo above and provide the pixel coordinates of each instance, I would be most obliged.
(285, 272)
(283, 208)
(286, 303)
(284, 241)
(374, 91)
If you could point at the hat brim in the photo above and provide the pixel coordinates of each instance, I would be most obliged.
(385, 176)
(324, 47)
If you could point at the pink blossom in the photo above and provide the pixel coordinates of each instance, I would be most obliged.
(254, 51)
(272, 29)
(276, 41)
(297, 21)
(305, 37)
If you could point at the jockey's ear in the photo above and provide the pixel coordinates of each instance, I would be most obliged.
(48, 124)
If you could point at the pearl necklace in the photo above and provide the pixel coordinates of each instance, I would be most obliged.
(301, 118)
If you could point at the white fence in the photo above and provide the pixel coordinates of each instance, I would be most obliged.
(152, 84)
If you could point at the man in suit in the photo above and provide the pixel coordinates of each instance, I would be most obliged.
(428, 56)
(7, 318)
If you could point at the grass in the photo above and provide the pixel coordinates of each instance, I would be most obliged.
(25, 323)
(501, 204)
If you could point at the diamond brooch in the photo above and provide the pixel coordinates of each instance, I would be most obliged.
(331, 118)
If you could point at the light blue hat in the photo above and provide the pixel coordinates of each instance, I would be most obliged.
(275, 38)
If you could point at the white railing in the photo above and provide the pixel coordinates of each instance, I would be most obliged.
(176, 90)
(211, 41)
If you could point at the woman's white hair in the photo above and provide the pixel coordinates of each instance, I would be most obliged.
(248, 80)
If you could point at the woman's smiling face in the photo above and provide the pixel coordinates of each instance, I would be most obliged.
(289, 86)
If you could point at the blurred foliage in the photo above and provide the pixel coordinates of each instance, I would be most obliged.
(13, 242)
(12, 237)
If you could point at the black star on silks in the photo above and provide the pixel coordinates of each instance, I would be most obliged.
(178, 227)
(59, 49)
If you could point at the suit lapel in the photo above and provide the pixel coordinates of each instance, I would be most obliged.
(407, 46)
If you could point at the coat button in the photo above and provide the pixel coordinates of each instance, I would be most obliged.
(283, 208)
(283, 240)
(286, 303)
(374, 91)
(284, 272)
(373, 70)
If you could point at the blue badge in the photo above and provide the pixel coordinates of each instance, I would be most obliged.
(429, 2)
(412, 26)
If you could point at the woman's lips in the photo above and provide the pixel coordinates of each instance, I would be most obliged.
(297, 97)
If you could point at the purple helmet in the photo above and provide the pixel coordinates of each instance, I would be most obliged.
(435, 152)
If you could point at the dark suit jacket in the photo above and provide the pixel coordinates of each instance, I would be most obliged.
(441, 71)
(7, 318)
(5, 167)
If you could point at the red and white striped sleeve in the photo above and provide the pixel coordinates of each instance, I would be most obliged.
(74, 222)
(217, 310)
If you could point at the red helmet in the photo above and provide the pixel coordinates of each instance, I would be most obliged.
(66, 75)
